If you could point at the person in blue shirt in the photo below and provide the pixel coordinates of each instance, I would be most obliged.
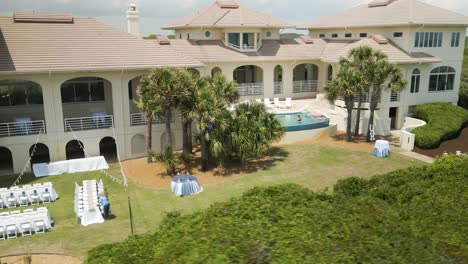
(105, 205)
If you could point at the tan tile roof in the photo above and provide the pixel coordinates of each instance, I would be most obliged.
(394, 53)
(400, 12)
(222, 17)
(85, 44)
(272, 50)
(210, 51)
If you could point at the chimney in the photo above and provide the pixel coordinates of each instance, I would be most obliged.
(133, 20)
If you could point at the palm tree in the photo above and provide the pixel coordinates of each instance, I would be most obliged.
(343, 85)
(165, 94)
(148, 103)
(187, 85)
(360, 59)
(212, 96)
(381, 75)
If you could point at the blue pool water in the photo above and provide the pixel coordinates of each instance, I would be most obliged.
(290, 123)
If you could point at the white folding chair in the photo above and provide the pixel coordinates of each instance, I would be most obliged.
(39, 226)
(46, 198)
(41, 209)
(27, 186)
(15, 212)
(11, 201)
(12, 231)
(4, 213)
(37, 185)
(3, 189)
(26, 229)
(2, 203)
(267, 103)
(24, 199)
(288, 103)
(2, 232)
(35, 199)
(29, 210)
(14, 188)
(258, 101)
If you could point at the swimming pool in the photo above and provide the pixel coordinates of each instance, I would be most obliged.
(290, 123)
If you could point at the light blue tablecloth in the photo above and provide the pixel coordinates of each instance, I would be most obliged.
(382, 148)
(185, 185)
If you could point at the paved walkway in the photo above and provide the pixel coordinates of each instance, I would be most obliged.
(413, 155)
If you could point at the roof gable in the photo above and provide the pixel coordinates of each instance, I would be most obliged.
(398, 12)
(224, 14)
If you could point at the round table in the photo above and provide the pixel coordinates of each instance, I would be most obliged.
(382, 148)
(185, 185)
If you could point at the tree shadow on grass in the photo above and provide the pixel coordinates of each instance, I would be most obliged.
(270, 159)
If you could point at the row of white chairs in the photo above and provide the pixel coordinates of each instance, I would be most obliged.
(26, 186)
(27, 228)
(24, 199)
(276, 103)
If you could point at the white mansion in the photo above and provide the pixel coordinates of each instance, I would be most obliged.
(64, 78)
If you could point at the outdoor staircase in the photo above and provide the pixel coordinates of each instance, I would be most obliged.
(394, 138)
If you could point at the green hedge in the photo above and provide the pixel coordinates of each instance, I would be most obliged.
(415, 215)
(444, 121)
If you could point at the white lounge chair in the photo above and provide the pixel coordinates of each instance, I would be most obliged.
(258, 101)
(267, 103)
(288, 103)
(277, 103)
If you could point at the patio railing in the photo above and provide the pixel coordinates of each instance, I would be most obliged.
(305, 86)
(22, 128)
(250, 89)
(88, 123)
(278, 87)
(365, 98)
(139, 119)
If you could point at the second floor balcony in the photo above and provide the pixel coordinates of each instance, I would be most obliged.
(139, 119)
(22, 128)
(88, 123)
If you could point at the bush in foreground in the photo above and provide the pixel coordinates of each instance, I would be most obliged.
(416, 215)
(444, 121)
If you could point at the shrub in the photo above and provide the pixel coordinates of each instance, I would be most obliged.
(444, 121)
(416, 215)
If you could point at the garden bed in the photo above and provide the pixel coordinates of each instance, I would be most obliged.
(450, 146)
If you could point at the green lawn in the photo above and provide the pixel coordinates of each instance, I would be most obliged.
(314, 166)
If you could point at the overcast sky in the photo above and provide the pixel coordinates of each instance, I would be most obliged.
(156, 13)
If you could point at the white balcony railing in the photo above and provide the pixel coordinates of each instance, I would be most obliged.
(22, 128)
(278, 87)
(139, 119)
(365, 98)
(305, 86)
(88, 123)
(395, 97)
(250, 89)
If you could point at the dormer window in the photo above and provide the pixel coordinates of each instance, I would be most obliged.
(244, 41)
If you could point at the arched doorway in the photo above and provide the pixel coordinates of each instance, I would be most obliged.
(87, 103)
(329, 73)
(21, 108)
(136, 117)
(215, 71)
(108, 149)
(305, 77)
(40, 155)
(194, 72)
(74, 150)
(278, 79)
(6, 162)
(138, 144)
(249, 79)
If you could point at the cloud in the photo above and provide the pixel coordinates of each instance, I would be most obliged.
(156, 13)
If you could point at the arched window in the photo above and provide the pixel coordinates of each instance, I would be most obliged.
(20, 92)
(442, 79)
(415, 80)
(216, 70)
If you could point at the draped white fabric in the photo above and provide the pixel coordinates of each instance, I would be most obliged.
(70, 166)
(86, 202)
(382, 148)
(27, 217)
(28, 190)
